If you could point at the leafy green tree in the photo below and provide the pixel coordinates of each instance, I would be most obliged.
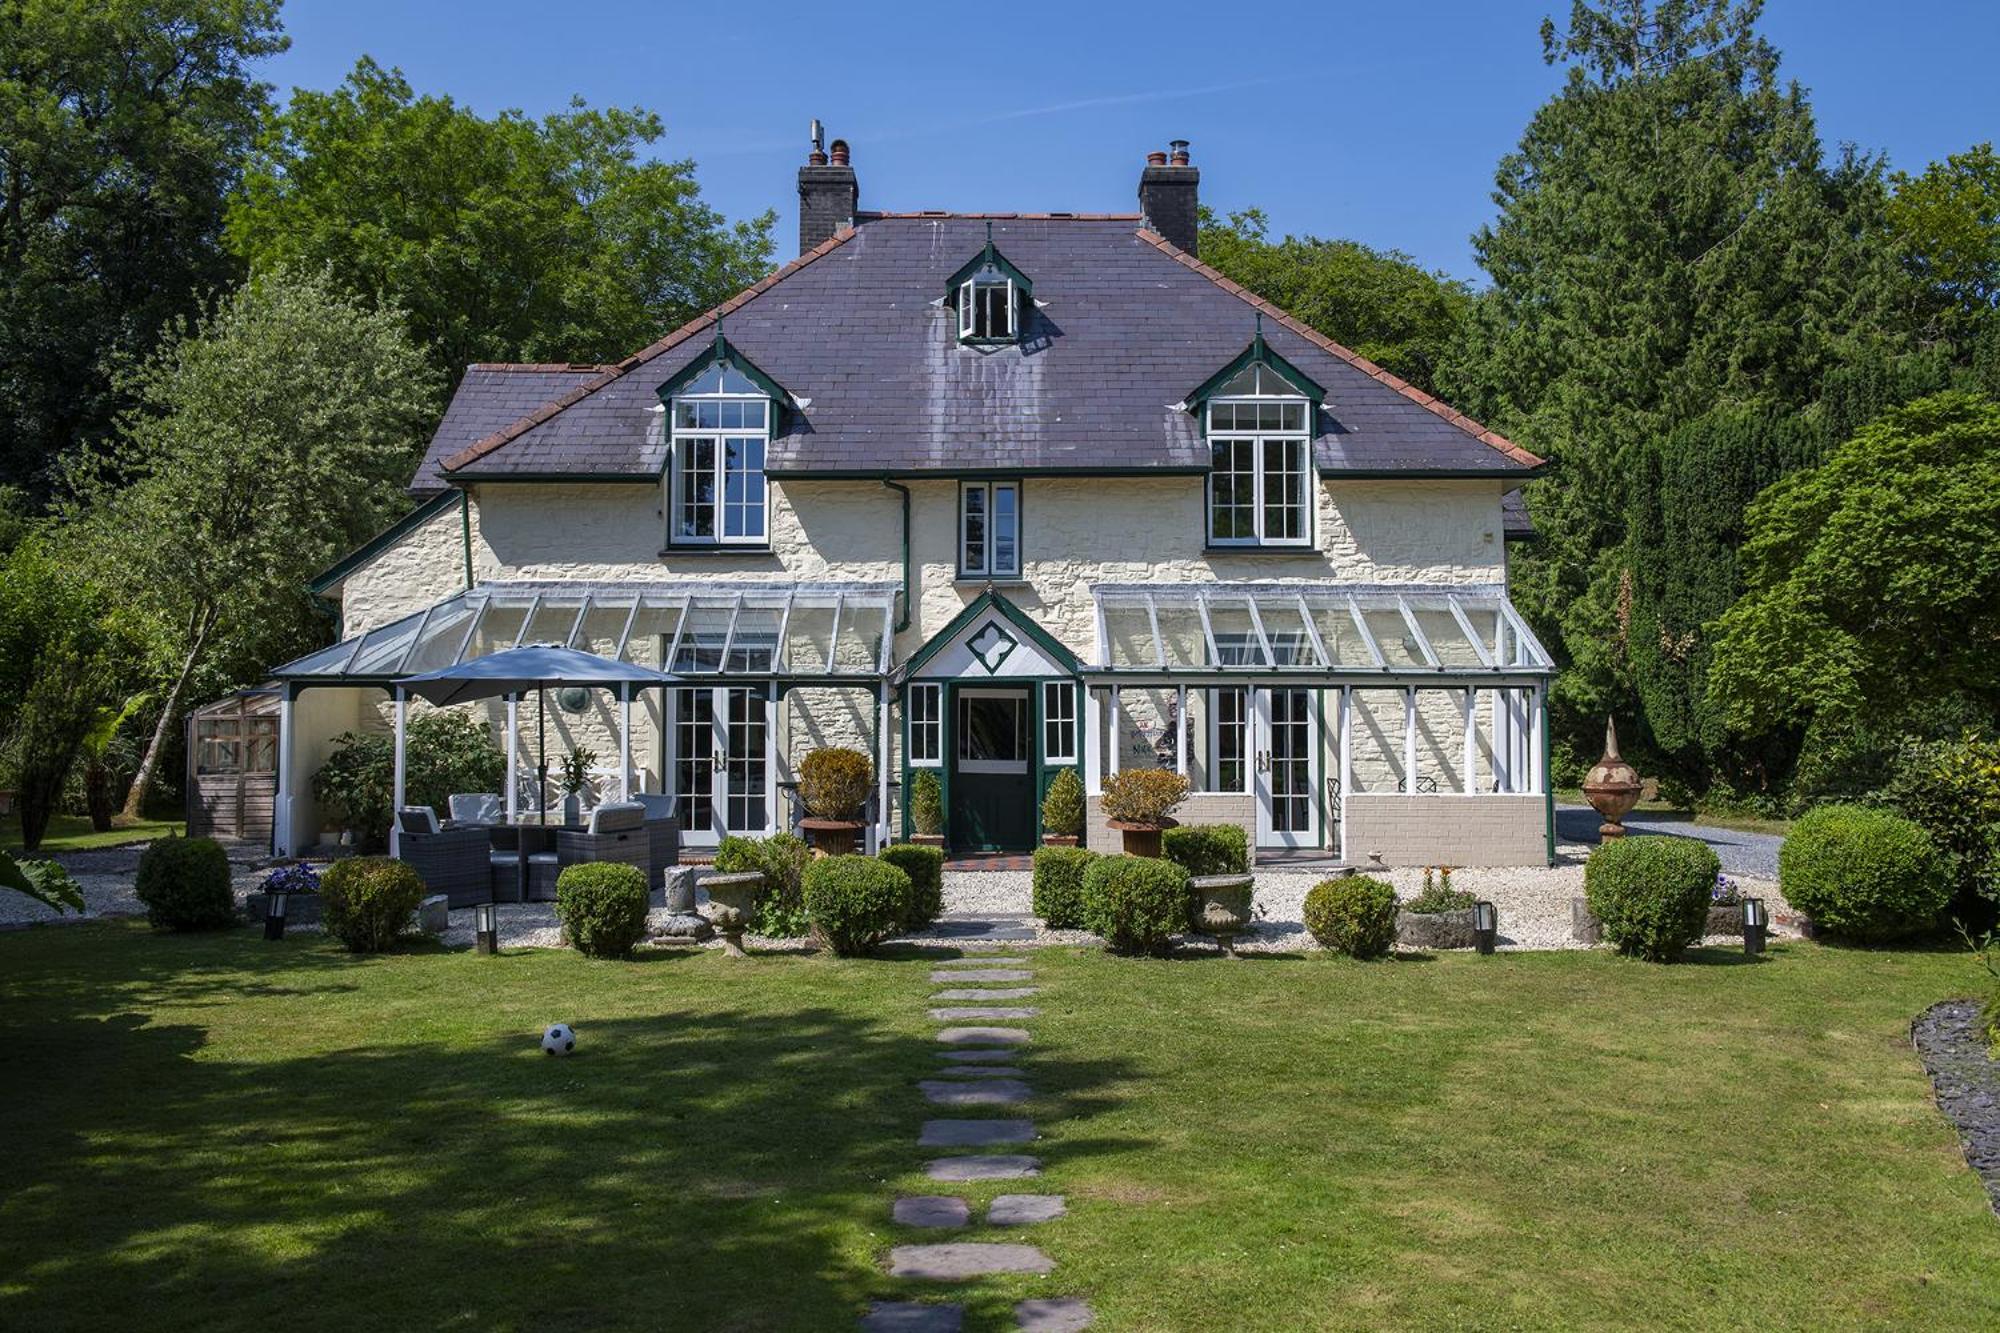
(272, 437)
(504, 238)
(1377, 302)
(1947, 222)
(1872, 602)
(123, 127)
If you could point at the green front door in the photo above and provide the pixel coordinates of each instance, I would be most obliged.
(992, 771)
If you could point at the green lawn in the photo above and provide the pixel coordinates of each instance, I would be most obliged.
(73, 833)
(223, 1133)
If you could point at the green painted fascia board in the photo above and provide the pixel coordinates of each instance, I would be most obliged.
(977, 474)
(724, 351)
(991, 600)
(579, 478)
(1257, 351)
(977, 262)
(381, 541)
(1513, 475)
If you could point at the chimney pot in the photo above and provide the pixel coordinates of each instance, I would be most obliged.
(1156, 159)
(1169, 197)
(840, 152)
(828, 193)
(1180, 149)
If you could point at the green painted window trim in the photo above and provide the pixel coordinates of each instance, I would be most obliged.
(992, 600)
(1258, 353)
(724, 351)
(1018, 576)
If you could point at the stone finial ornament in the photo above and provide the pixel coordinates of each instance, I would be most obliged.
(1612, 786)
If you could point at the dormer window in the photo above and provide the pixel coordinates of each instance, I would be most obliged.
(991, 296)
(721, 412)
(1257, 413)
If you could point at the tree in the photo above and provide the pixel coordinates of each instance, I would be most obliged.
(1377, 302)
(1872, 602)
(503, 239)
(1947, 221)
(272, 437)
(123, 126)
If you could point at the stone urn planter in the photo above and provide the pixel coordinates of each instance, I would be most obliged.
(1222, 907)
(732, 901)
(832, 837)
(1437, 930)
(1140, 839)
(1059, 840)
(1612, 786)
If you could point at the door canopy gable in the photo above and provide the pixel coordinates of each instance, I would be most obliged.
(992, 639)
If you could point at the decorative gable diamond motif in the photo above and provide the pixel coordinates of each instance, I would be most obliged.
(991, 645)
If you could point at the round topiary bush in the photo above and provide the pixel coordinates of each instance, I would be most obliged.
(1137, 903)
(1058, 885)
(1651, 894)
(184, 883)
(602, 907)
(1863, 873)
(367, 901)
(1354, 915)
(835, 782)
(855, 901)
(1208, 849)
(925, 867)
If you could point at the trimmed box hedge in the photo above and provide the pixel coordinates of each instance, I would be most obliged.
(925, 867)
(855, 901)
(602, 907)
(1137, 903)
(1208, 849)
(1058, 885)
(1863, 873)
(1651, 893)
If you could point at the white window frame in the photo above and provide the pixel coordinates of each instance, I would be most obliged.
(1241, 726)
(930, 727)
(719, 437)
(1299, 439)
(968, 310)
(1058, 715)
(1024, 742)
(987, 566)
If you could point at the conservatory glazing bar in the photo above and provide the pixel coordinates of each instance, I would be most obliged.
(813, 631)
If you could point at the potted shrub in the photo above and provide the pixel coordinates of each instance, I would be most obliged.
(834, 784)
(299, 882)
(927, 808)
(576, 766)
(1136, 804)
(1062, 810)
(1440, 917)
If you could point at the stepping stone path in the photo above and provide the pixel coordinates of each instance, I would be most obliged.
(978, 1068)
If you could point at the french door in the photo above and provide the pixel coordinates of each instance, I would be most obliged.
(1286, 769)
(721, 761)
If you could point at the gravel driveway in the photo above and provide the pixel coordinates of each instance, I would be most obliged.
(1741, 853)
(105, 875)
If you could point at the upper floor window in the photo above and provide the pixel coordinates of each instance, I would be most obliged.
(991, 297)
(989, 529)
(721, 418)
(1258, 435)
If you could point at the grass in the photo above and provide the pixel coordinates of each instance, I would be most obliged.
(219, 1133)
(73, 833)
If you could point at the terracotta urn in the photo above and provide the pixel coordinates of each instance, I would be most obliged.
(831, 837)
(1612, 786)
(1140, 839)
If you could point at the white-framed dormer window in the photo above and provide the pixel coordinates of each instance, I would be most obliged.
(926, 718)
(1260, 470)
(718, 496)
(989, 529)
(986, 308)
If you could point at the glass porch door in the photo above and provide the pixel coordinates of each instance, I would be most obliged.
(1287, 769)
(721, 761)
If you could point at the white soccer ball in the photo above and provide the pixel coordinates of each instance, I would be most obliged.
(560, 1039)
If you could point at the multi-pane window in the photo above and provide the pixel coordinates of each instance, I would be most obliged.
(989, 529)
(986, 309)
(1058, 722)
(719, 438)
(926, 725)
(1229, 738)
(1258, 431)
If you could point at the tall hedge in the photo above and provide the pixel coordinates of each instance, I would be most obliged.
(925, 867)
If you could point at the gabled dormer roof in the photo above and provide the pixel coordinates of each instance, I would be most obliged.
(723, 358)
(1257, 354)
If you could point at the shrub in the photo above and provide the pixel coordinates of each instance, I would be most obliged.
(855, 901)
(444, 752)
(1952, 789)
(1651, 894)
(1137, 903)
(1058, 891)
(1143, 795)
(602, 907)
(367, 901)
(1062, 806)
(1863, 873)
(781, 860)
(1208, 849)
(1438, 896)
(927, 803)
(834, 782)
(925, 867)
(184, 883)
(1354, 915)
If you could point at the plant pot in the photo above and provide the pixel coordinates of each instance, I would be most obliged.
(1222, 907)
(1436, 930)
(1140, 839)
(732, 901)
(927, 839)
(831, 837)
(1724, 920)
(573, 808)
(1059, 840)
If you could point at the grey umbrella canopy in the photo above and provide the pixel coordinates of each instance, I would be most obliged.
(531, 667)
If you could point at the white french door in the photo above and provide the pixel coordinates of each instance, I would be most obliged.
(1286, 772)
(720, 758)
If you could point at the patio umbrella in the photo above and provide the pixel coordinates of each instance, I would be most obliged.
(516, 671)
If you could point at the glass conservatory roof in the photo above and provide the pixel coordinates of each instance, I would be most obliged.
(1404, 632)
(688, 629)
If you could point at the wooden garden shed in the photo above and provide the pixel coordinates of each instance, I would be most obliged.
(232, 766)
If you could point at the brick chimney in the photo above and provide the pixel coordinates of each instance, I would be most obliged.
(827, 192)
(1169, 195)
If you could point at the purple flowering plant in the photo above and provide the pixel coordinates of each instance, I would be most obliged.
(298, 877)
(1724, 893)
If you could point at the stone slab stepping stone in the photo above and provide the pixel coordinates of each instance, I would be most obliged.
(1064, 1314)
(973, 1055)
(984, 1011)
(956, 1261)
(1016, 1210)
(970, 1072)
(974, 1133)
(992, 928)
(948, 978)
(976, 1035)
(913, 1317)
(1015, 993)
(938, 1210)
(984, 1092)
(983, 960)
(992, 1166)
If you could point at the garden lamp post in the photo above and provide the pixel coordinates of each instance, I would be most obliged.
(274, 914)
(1756, 923)
(1485, 924)
(486, 931)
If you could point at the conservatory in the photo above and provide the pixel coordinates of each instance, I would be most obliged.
(1331, 720)
(761, 673)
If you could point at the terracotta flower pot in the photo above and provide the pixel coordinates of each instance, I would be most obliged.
(1141, 839)
(1059, 840)
(831, 837)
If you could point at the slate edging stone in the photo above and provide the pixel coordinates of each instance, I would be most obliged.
(1965, 1081)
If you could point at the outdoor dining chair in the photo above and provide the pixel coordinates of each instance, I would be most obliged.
(449, 861)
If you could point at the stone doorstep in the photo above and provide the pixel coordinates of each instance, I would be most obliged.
(949, 978)
(991, 1092)
(933, 1210)
(1061, 1314)
(974, 1133)
(919, 1317)
(956, 1261)
(1015, 1210)
(968, 1036)
(1014, 993)
(962, 1013)
(985, 1166)
(971, 1055)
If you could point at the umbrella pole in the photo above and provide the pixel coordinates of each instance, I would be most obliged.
(542, 751)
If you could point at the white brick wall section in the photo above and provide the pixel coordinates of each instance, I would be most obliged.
(1484, 830)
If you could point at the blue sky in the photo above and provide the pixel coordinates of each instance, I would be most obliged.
(1377, 122)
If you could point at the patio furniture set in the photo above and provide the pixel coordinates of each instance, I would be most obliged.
(478, 855)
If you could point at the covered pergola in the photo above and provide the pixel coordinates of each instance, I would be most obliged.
(765, 638)
(1167, 640)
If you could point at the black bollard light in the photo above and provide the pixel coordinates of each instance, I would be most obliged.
(1756, 924)
(486, 930)
(274, 915)
(1485, 924)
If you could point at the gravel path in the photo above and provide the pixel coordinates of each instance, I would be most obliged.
(105, 876)
(1741, 853)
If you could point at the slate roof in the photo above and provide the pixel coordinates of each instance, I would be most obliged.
(491, 398)
(1125, 327)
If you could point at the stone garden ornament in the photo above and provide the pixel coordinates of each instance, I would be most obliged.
(1612, 786)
